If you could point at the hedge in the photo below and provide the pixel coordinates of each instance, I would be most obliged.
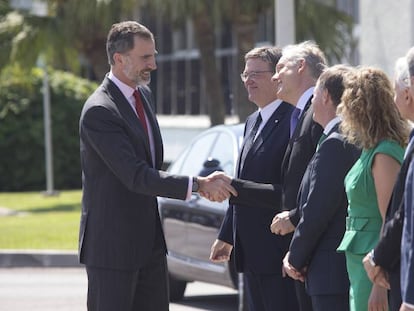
(22, 133)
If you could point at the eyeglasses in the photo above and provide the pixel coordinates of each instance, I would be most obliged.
(252, 74)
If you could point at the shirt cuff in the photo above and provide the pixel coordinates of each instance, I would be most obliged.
(189, 188)
(408, 305)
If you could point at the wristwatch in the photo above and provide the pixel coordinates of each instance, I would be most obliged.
(371, 258)
(196, 185)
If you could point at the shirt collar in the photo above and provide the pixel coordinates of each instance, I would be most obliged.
(267, 111)
(331, 125)
(125, 89)
(304, 98)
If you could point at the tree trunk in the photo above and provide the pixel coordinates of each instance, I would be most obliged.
(205, 37)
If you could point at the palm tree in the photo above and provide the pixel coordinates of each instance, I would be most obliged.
(79, 28)
(71, 30)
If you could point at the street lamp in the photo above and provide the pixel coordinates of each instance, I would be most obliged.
(39, 8)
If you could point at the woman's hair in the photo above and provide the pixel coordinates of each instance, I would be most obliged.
(368, 112)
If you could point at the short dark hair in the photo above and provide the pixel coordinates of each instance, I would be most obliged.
(332, 79)
(268, 54)
(121, 38)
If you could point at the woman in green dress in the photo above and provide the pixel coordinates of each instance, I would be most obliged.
(370, 120)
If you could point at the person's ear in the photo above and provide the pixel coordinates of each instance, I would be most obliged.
(118, 58)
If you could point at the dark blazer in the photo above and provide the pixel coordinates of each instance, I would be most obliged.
(407, 240)
(283, 196)
(387, 251)
(322, 207)
(247, 226)
(120, 219)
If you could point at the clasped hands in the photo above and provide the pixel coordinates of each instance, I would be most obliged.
(288, 269)
(376, 274)
(216, 187)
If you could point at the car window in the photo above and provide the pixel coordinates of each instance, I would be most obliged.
(223, 151)
(191, 163)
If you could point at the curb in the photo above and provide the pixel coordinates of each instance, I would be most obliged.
(38, 258)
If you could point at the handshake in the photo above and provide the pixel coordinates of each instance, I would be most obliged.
(216, 187)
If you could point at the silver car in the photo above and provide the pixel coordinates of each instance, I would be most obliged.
(191, 227)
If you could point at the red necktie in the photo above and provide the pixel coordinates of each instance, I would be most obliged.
(140, 110)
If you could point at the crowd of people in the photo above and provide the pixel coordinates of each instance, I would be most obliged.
(321, 214)
(344, 200)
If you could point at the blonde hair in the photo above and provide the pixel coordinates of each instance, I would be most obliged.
(368, 112)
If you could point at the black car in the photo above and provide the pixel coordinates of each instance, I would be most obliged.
(191, 227)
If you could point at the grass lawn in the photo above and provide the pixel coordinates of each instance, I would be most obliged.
(41, 222)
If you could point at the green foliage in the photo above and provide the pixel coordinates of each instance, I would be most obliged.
(323, 23)
(22, 131)
(38, 222)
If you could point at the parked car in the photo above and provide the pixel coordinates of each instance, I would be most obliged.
(191, 227)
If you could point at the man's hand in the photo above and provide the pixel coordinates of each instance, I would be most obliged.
(216, 187)
(376, 274)
(220, 251)
(378, 299)
(405, 307)
(281, 224)
(289, 270)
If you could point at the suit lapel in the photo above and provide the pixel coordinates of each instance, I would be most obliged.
(270, 126)
(295, 135)
(156, 133)
(126, 112)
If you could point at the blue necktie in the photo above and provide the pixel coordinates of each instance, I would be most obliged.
(294, 120)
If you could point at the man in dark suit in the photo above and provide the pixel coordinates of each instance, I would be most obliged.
(296, 74)
(322, 204)
(383, 262)
(257, 252)
(407, 244)
(121, 241)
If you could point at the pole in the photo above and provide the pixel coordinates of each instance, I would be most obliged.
(285, 22)
(47, 132)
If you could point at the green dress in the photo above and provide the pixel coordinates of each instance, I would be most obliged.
(363, 224)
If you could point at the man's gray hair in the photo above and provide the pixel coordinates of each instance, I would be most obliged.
(310, 52)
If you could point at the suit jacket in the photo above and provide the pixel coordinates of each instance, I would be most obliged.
(387, 251)
(120, 219)
(407, 242)
(247, 226)
(283, 196)
(322, 206)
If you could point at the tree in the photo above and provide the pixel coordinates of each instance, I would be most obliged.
(75, 31)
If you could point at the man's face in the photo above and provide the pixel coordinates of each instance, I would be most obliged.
(287, 76)
(318, 99)
(259, 85)
(402, 98)
(138, 63)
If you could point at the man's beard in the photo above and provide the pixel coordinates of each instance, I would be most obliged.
(140, 79)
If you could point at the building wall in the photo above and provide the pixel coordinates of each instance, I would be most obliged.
(386, 32)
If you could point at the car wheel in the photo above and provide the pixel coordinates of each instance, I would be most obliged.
(177, 288)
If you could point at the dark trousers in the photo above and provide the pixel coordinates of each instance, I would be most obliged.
(395, 292)
(304, 300)
(269, 292)
(145, 288)
(330, 302)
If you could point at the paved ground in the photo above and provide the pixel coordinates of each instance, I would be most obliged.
(53, 280)
(64, 289)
